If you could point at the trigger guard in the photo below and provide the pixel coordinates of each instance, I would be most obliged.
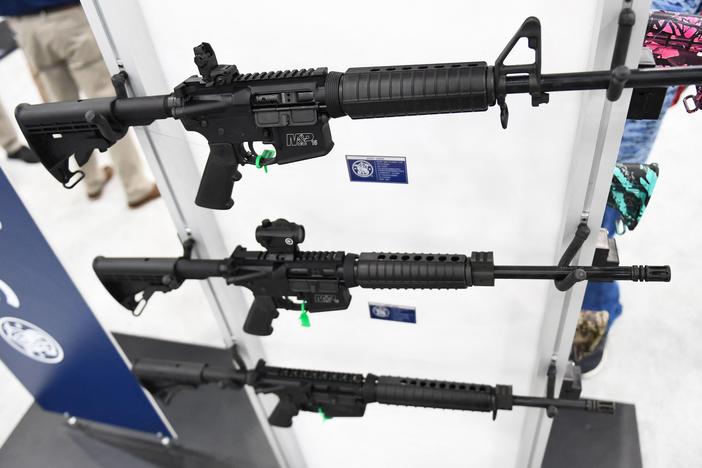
(285, 303)
(255, 158)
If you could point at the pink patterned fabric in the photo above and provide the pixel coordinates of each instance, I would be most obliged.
(676, 40)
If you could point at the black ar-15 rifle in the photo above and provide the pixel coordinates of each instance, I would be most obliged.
(336, 394)
(291, 109)
(321, 280)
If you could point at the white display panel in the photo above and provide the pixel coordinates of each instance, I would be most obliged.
(472, 186)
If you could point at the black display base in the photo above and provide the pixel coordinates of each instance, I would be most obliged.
(218, 428)
(589, 440)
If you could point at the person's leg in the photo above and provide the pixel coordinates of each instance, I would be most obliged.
(636, 145)
(8, 136)
(599, 310)
(41, 88)
(35, 36)
(605, 295)
(59, 85)
(88, 71)
(601, 306)
(10, 142)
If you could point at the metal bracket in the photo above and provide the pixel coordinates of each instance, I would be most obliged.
(551, 372)
(577, 275)
(188, 245)
(103, 126)
(119, 82)
(620, 73)
(168, 280)
(236, 357)
(118, 435)
(693, 102)
(572, 382)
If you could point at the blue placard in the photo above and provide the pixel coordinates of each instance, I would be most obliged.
(384, 169)
(50, 339)
(392, 312)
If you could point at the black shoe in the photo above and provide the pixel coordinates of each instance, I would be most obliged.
(25, 154)
(591, 364)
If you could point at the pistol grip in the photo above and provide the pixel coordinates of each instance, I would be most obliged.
(259, 320)
(283, 413)
(217, 181)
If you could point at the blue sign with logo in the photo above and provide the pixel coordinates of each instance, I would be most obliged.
(50, 339)
(392, 312)
(385, 169)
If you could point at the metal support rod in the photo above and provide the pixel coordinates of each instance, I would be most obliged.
(593, 156)
(123, 36)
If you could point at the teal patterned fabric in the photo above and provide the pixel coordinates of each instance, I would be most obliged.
(636, 145)
(631, 190)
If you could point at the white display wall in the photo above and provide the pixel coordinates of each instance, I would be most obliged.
(472, 186)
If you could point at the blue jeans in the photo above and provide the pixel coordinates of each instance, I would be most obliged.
(605, 296)
(637, 141)
(636, 145)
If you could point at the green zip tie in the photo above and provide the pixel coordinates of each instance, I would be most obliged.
(304, 318)
(266, 154)
(323, 414)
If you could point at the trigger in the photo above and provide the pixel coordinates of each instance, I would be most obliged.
(251, 149)
(237, 175)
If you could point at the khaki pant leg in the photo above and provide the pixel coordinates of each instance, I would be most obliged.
(68, 60)
(90, 73)
(8, 135)
(94, 81)
(43, 92)
(34, 36)
(59, 85)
